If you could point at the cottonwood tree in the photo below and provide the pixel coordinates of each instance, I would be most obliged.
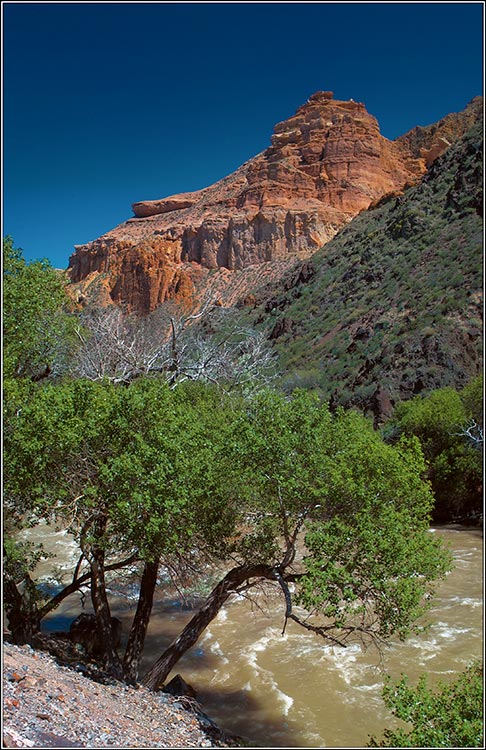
(356, 509)
(448, 423)
(278, 490)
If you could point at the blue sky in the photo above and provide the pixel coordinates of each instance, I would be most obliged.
(105, 104)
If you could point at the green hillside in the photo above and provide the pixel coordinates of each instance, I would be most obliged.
(391, 307)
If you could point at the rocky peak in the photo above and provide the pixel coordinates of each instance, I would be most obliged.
(431, 141)
(325, 164)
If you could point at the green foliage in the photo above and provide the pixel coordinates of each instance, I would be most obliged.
(20, 558)
(432, 418)
(282, 454)
(142, 456)
(190, 473)
(449, 716)
(440, 420)
(472, 399)
(363, 505)
(37, 331)
(372, 548)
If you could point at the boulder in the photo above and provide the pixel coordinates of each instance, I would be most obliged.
(83, 632)
(179, 687)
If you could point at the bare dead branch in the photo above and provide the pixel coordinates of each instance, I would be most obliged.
(121, 348)
(473, 433)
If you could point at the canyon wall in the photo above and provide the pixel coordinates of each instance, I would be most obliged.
(325, 164)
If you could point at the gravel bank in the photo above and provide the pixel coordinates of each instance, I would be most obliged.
(48, 705)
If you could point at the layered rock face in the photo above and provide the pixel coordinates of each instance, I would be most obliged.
(431, 141)
(324, 165)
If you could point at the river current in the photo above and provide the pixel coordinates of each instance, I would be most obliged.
(293, 690)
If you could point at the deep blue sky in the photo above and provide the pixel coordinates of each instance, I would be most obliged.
(106, 104)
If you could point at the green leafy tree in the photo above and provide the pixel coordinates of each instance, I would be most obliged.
(278, 490)
(451, 715)
(37, 329)
(358, 509)
(130, 472)
(449, 426)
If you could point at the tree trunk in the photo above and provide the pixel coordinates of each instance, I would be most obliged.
(138, 631)
(22, 615)
(101, 607)
(235, 578)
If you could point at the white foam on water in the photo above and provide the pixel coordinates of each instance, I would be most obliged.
(426, 645)
(262, 643)
(286, 700)
(215, 648)
(466, 601)
(264, 675)
(303, 645)
(292, 647)
(428, 657)
(222, 615)
(378, 686)
(123, 594)
(220, 677)
(345, 661)
(445, 630)
(314, 739)
(57, 542)
(463, 559)
(207, 635)
(428, 649)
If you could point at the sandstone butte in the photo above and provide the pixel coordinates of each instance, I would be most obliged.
(325, 164)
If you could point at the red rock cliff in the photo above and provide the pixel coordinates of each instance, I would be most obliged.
(324, 165)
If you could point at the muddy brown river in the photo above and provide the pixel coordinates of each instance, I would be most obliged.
(293, 690)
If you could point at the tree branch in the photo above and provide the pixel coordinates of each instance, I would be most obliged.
(76, 584)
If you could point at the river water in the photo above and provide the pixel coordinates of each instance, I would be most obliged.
(293, 690)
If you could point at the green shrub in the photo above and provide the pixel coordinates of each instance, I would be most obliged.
(449, 716)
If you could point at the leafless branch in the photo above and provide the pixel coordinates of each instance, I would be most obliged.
(176, 346)
(473, 433)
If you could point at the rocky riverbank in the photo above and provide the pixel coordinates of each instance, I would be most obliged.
(49, 705)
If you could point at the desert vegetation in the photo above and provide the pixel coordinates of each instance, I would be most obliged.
(451, 715)
(395, 299)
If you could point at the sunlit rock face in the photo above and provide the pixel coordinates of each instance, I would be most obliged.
(325, 164)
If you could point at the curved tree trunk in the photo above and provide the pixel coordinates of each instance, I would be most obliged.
(138, 631)
(235, 578)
